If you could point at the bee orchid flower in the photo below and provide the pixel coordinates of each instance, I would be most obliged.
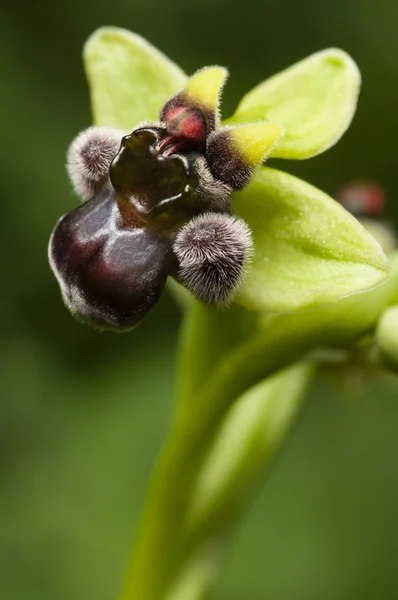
(182, 194)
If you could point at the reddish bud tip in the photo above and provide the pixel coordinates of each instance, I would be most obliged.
(188, 123)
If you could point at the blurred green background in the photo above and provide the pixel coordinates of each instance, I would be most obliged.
(82, 414)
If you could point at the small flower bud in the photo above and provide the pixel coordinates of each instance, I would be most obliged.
(362, 198)
(212, 251)
(366, 200)
(89, 158)
(110, 275)
(234, 152)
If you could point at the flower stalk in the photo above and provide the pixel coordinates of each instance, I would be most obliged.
(186, 197)
(191, 507)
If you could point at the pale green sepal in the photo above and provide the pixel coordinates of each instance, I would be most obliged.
(130, 80)
(314, 100)
(309, 251)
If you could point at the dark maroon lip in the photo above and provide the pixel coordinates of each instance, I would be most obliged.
(109, 275)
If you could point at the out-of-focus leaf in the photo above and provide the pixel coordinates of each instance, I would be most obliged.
(129, 79)
(314, 100)
(248, 437)
(387, 336)
(309, 251)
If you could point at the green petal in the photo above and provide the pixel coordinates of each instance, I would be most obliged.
(129, 79)
(309, 251)
(314, 100)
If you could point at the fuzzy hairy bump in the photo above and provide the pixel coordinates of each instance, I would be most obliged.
(148, 124)
(89, 158)
(225, 162)
(213, 250)
(215, 194)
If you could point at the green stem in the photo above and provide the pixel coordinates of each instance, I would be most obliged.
(164, 542)
(159, 542)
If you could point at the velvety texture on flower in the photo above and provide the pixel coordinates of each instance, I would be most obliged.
(171, 176)
(143, 191)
